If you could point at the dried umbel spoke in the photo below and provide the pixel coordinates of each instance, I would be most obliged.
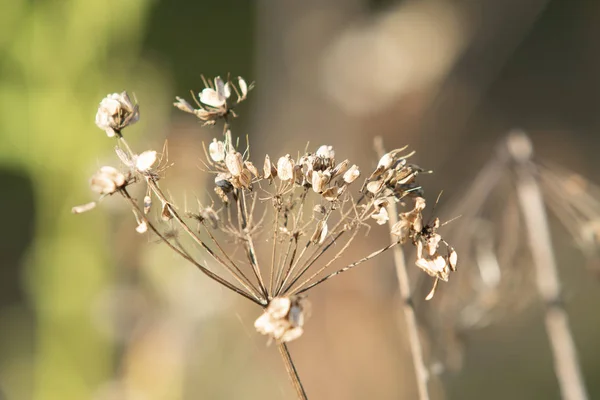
(279, 225)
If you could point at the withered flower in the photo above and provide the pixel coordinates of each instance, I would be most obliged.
(116, 111)
(283, 319)
(107, 180)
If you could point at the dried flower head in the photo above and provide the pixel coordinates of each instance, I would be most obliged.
(116, 111)
(107, 180)
(283, 319)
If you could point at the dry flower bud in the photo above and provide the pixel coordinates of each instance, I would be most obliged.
(145, 161)
(234, 163)
(285, 168)
(216, 150)
(352, 174)
(107, 180)
(381, 217)
(116, 111)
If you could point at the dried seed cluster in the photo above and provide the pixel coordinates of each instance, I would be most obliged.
(304, 211)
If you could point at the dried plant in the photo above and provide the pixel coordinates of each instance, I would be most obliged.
(507, 256)
(308, 208)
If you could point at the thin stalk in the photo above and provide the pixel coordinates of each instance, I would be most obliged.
(408, 307)
(291, 370)
(186, 256)
(347, 268)
(566, 364)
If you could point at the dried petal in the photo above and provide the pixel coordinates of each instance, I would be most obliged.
(381, 217)
(216, 150)
(285, 168)
(352, 174)
(243, 87)
(320, 179)
(250, 166)
(320, 233)
(212, 98)
(234, 163)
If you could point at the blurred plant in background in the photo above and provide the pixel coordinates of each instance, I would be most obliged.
(55, 57)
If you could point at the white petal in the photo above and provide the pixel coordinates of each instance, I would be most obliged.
(211, 98)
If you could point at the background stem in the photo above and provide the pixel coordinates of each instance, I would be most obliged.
(566, 364)
(408, 307)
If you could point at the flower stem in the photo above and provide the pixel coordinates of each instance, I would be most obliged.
(566, 363)
(291, 370)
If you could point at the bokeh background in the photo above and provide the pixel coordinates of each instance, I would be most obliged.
(91, 310)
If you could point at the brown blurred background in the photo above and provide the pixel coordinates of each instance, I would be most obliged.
(90, 310)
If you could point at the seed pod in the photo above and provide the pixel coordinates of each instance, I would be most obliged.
(320, 180)
(216, 150)
(234, 163)
(166, 212)
(352, 174)
(269, 170)
(285, 168)
(326, 152)
(340, 168)
(245, 178)
(375, 186)
(381, 217)
(331, 193)
(320, 233)
(251, 168)
(452, 259)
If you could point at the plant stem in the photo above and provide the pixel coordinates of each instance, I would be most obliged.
(291, 370)
(566, 364)
(408, 307)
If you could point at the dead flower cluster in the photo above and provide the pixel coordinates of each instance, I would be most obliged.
(306, 208)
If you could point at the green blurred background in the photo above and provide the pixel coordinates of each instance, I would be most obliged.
(89, 310)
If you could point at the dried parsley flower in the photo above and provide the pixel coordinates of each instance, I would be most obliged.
(116, 111)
